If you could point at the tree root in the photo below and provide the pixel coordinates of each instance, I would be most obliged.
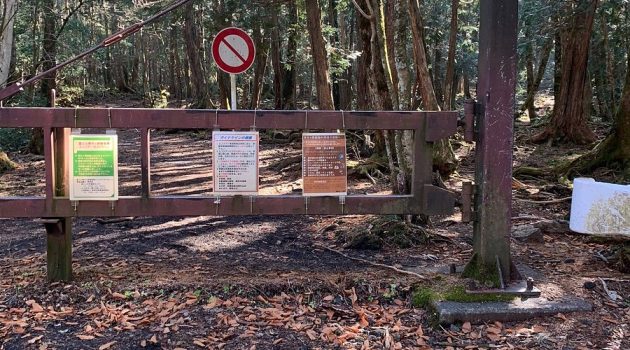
(606, 153)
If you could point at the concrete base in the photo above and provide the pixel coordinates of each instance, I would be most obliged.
(450, 312)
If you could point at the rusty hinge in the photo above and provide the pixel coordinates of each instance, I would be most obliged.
(468, 194)
(472, 112)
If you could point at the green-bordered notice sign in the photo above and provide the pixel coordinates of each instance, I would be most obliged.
(93, 167)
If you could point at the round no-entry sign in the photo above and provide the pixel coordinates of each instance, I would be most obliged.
(233, 50)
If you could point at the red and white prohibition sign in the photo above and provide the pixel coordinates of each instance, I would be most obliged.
(233, 50)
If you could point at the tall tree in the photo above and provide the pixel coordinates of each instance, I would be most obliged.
(444, 159)
(571, 109)
(290, 66)
(449, 81)
(49, 46)
(318, 50)
(614, 150)
(194, 50)
(7, 18)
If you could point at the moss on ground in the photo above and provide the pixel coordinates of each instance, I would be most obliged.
(486, 274)
(425, 296)
(5, 163)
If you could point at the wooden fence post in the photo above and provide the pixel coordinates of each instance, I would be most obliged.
(59, 231)
(493, 177)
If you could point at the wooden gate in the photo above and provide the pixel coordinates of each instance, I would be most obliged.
(56, 209)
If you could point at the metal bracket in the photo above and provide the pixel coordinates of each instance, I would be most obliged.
(217, 202)
(216, 119)
(472, 114)
(253, 126)
(469, 190)
(342, 202)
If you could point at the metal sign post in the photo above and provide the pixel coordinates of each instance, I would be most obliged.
(233, 50)
(233, 91)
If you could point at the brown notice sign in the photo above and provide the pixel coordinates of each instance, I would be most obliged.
(324, 170)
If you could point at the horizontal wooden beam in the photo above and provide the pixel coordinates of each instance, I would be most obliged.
(124, 118)
(37, 207)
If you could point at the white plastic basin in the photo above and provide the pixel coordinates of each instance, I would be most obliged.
(600, 208)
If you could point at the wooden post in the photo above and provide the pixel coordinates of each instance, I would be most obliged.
(59, 230)
(145, 162)
(493, 177)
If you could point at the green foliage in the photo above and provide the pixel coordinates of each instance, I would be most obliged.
(6, 163)
(14, 140)
(424, 297)
(157, 99)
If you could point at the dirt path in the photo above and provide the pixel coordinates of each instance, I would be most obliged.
(265, 282)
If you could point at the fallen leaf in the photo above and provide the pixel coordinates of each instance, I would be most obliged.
(493, 330)
(277, 341)
(85, 337)
(106, 346)
(311, 334)
(493, 336)
(117, 295)
(466, 327)
(329, 298)
(353, 296)
(35, 307)
(34, 340)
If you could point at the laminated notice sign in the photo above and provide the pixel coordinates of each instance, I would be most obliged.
(324, 170)
(235, 162)
(93, 167)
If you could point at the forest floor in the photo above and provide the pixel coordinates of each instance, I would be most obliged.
(268, 282)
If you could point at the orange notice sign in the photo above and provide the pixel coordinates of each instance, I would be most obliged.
(324, 170)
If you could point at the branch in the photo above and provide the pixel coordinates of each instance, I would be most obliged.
(368, 17)
(67, 19)
(553, 201)
(405, 272)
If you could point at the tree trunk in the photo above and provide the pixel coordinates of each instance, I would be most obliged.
(49, 46)
(276, 59)
(402, 59)
(363, 62)
(390, 46)
(557, 68)
(444, 159)
(262, 52)
(571, 111)
(318, 51)
(532, 88)
(6, 39)
(614, 151)
(449, 99)
(345, 88)
(290, 67)
(194, 51)
(173, 63)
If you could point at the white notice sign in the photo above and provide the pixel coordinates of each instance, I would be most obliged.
(93, 167)
(235, 162)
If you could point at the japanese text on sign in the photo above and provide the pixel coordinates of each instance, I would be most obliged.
(93, 167)
(324, 170)
(235, 162)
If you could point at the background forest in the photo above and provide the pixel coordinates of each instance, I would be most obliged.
(326, 54)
